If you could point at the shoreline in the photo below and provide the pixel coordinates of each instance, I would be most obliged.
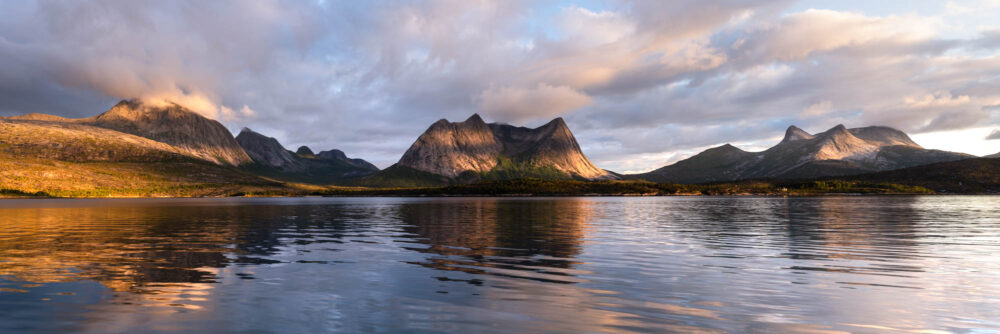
(507, 196)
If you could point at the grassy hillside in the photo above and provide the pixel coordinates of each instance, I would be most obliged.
(78, 142)
(48, 177)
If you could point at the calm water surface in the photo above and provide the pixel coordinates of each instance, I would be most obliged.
(674, 264)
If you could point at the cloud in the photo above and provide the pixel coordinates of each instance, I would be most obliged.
(185, 52)
(994, 135)
(520, 104)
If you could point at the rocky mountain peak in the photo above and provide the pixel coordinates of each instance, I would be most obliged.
(266, 150)
(839, 130)
(475, 118)
(305, 151)
(175, 125)
(795, 133)
(449, 149)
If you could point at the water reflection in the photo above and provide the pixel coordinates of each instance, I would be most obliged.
(525, 239)
(487, 264)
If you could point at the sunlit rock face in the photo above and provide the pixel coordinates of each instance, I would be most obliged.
(451, 149)
(837, 151)
(177, 126)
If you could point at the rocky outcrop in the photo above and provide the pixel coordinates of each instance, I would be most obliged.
(452, 149)
(177, 126)
(304, 151)
(267, 151)
(837, 151)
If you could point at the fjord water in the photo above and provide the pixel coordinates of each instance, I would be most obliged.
(675, 264)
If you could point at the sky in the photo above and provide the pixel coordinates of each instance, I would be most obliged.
(640, 83)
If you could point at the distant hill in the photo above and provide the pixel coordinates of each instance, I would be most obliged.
(835, 152)
(472, 150)
(977, 175)
(997, 155)
(273, 160)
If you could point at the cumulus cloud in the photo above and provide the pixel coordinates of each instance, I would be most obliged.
(637, 81)
(520, 104)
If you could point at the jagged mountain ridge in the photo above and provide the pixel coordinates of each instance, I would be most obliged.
(837, 151)
(272, 159)
(452, 149)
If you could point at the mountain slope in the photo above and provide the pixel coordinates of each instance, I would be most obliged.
(267, 151)
(472, 150)
(715, 164)
(997, 155)
(70, 141)
(64, 158)
(175, 125)
(837, 151)
(449, 149)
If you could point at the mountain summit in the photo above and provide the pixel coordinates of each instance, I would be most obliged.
(175, 125)
(837, 151)
(454, 149)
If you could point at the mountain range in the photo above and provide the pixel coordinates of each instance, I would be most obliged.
(272, 159)
(152, 145)
(837, 151)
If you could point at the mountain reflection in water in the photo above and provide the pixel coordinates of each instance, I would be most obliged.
(699, 264)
